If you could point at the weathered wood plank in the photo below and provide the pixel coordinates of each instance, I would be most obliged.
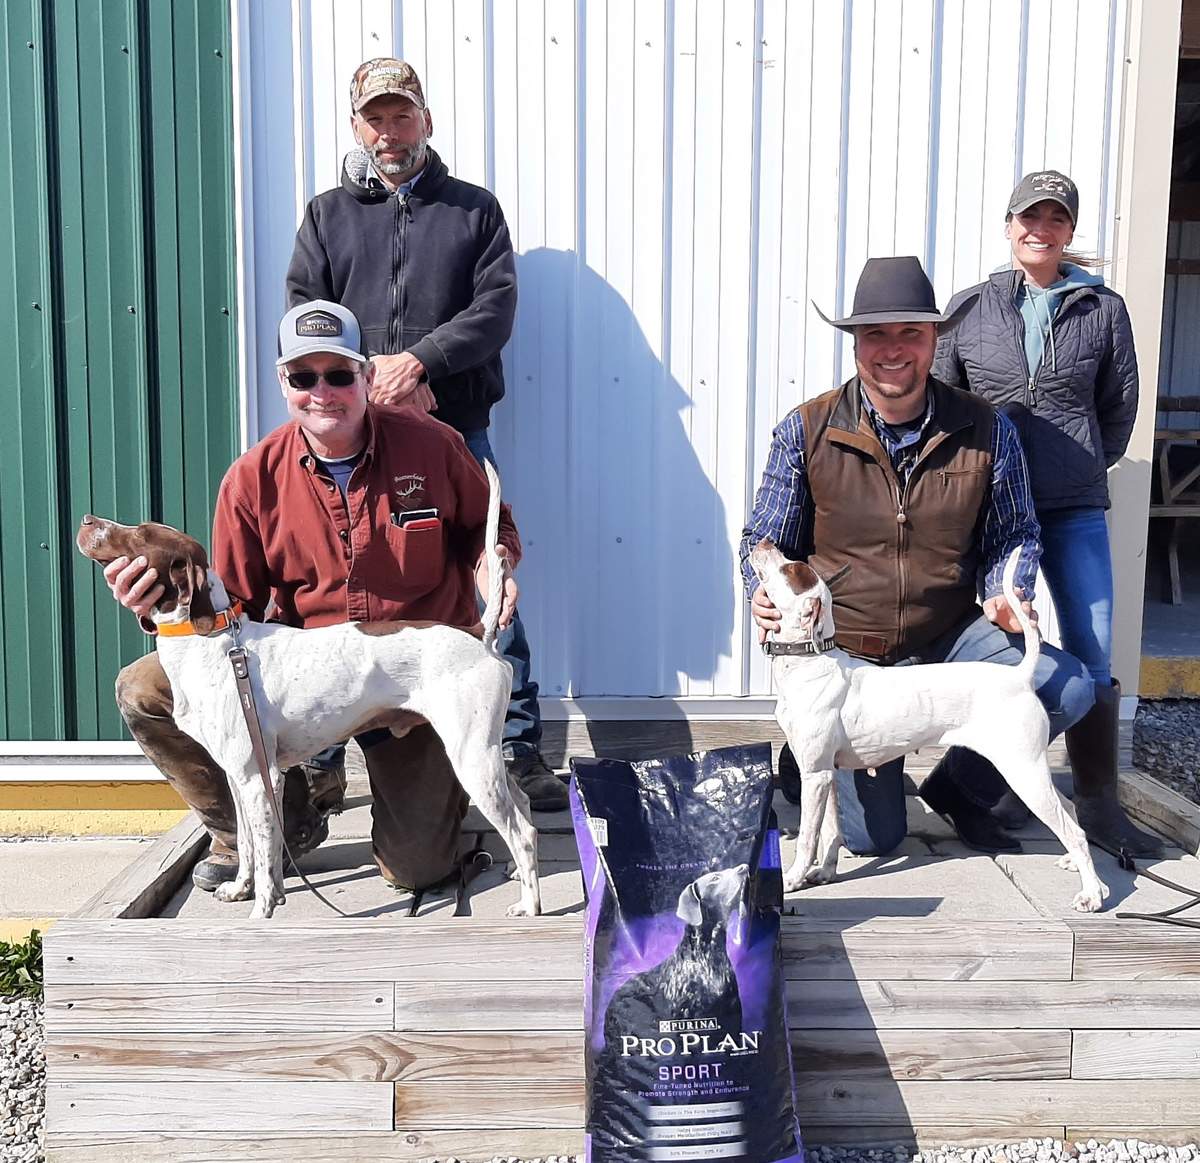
(1163, 808)
(146, 884)
(245, 951)
(346, 1005)
(923, 949)
(382, 1056)
(933, 1055)
(388, 1147)
(834, 1101)
(1133, 950)
(368, 1056)
(983, 1005)
(489, 1106)
(962, 1005)
(182, 1107)
(535, 1003)
(442, 949)
(1135, 1054)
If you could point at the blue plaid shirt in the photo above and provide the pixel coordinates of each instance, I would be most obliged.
(783, 508)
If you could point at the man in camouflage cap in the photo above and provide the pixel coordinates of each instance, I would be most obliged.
(425, 262)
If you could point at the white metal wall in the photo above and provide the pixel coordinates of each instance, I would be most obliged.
(681, 178)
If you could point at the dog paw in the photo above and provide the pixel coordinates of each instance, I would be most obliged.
(819, 874)
(1089, 901)
(262, 910)
(231, 890)
(520, 909)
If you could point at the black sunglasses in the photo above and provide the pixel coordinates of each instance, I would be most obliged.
(339, 377)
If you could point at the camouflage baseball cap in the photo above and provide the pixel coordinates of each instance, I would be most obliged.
(383, 75)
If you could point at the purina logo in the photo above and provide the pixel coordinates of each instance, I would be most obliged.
(319, 324)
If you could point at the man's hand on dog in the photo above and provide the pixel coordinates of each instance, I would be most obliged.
(765, 613)
(400, 380)
(134, 584)
(508, 606)
(1000, 613)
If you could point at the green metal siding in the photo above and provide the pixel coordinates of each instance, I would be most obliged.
(116, 201)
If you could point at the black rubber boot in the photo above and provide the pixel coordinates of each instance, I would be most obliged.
(1011, 811)
(789, 775)
(1092, 747)
(536, 778)
(943, 792)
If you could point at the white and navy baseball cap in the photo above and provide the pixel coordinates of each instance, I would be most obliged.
(319, 326)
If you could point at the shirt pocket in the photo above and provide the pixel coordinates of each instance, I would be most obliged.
(419, 553)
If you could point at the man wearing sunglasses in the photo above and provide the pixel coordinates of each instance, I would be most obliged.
(348, 512)
(425, 262)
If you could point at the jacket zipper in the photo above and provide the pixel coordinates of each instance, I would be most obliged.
(1031, 384)
(402, 212)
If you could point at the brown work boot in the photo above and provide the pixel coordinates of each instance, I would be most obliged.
(1092, 746)
(305, 828)
(326, 787)
(536, 778)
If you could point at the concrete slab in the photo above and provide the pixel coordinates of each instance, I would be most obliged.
(51, 878)
(1049, 889)
(970, 887)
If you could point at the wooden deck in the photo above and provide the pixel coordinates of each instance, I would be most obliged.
(935, 996)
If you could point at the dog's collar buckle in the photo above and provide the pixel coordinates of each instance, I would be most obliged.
(793, 649)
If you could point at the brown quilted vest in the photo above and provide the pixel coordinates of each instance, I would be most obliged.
(913, 551)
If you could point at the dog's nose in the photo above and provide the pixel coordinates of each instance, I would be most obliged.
(87, 519)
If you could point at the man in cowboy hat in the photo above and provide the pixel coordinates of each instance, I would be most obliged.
(922, 491)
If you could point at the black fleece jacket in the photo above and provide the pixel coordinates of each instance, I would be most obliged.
(1075, 413)
(430, 273)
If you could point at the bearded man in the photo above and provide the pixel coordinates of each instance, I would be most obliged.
(425, 262)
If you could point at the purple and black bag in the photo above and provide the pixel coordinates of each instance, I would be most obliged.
(687, 1042)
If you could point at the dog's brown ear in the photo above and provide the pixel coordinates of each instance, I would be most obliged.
(203, 616)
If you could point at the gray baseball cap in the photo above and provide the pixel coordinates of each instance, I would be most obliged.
(319, 326)
(1045, 186)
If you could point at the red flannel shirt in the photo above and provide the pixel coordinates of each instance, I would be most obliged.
(281, 528)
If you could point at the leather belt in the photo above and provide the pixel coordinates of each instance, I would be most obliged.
(874, 646)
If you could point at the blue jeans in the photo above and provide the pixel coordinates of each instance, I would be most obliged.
(523, 725)
(1078, 570)
(871, 809)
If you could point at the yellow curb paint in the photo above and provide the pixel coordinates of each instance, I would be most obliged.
(89, 809)
(16, 929)
(1169, 678)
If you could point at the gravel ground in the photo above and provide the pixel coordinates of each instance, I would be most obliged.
(1166, 743)
(22, 1080)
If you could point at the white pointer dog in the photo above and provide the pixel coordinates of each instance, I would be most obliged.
(838, 711)
(315, 688)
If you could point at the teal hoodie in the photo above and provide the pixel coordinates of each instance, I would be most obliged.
(1038, 308)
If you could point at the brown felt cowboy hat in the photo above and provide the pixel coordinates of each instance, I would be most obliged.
(897, 290)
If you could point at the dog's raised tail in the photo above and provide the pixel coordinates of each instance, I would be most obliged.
(1033, 639)
(491, 536)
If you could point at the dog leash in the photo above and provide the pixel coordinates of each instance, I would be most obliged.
(1166, 916)
(240, 661)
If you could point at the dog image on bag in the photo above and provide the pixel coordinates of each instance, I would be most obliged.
(687, 1048)
(698, 978)
(841, 712)
(314, 688)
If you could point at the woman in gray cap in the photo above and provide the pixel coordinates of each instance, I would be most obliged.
(1049, 344)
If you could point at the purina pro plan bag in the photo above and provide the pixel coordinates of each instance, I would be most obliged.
(687, 1045)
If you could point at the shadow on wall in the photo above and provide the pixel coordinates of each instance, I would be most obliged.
(608, 460)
